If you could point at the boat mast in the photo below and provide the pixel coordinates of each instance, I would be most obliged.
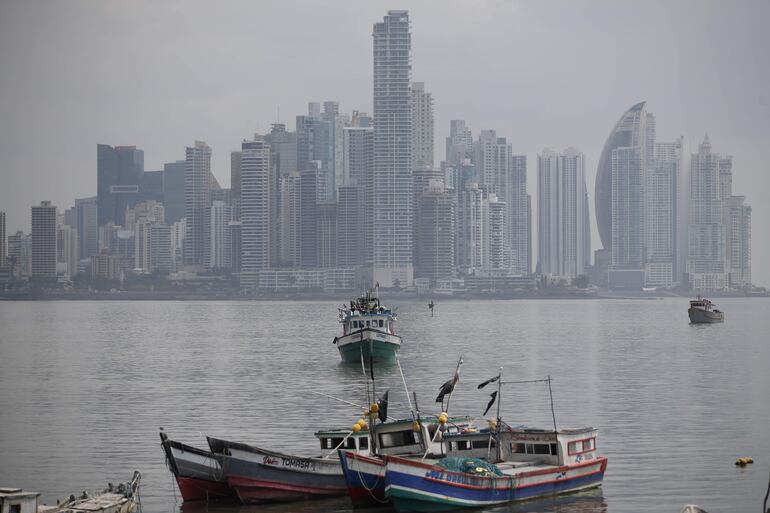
(457, 375)
(550, 394)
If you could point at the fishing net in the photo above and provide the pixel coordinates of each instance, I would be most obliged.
(475, 466)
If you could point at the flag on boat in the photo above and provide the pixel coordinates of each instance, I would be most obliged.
(447, 388)
(493, 395)
(487, 382)
(382, 402)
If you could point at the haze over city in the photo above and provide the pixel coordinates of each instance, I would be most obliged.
(542, 75)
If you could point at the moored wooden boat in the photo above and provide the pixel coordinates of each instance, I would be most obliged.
(259, 475)
(122, 498)
(197, 472)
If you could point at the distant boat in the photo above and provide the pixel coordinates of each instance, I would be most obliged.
(368, 330)
(197, 473)
(702, 311)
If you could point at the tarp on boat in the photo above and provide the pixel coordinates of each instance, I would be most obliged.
(475, 466)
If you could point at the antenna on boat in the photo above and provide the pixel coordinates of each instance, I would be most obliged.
(550, 394)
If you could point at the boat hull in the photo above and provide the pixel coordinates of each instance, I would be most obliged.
(258, 475)
(365, 479)
(197, 472)
(374, 344)
(413, 486)
(700, 316)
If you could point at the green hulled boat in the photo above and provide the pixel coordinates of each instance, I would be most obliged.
(367, 330)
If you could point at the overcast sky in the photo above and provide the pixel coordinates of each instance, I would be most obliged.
(160, 75)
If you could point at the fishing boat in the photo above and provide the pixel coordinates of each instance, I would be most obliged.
(197, 472)
(496, 465)
(259, 475)
(365, 473)
(122, 498)
(703, 311)
(368, 330)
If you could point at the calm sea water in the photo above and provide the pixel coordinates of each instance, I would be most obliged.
(84, 387)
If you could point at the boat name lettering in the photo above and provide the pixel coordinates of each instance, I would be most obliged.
(298, 463)
(267, 460)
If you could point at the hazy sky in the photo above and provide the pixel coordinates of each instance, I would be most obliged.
(160, 75)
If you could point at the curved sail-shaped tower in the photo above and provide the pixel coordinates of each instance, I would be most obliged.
(628, 131)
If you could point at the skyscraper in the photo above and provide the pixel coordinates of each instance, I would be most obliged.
(255, 211)
(221, 245)
(662, 210)
(710, 186)
(469, 242)
(496, 250)
(119, 174)
(629, 131)
(174, 190)
(289, 211)
(392, 179)
(86, 223)
(436, 232)
(44, 240)
(459, 144)
(518, 215)
(422, 127)
(327, 234)
(308, 216)
(351, 225)
(67, 250)
(492, 156)
(563, 230)
(3, 241)
(738, 228)
(359, 168)
(197, 194)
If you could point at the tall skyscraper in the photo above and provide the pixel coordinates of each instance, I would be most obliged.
(629, 131)
(710, 186)
(308, 216)
(469, 242)
(87, 225)
(459, 144)
(327, 234)
(255, 211)
(197, 203)
(3, 241)
(435, 242)
(563, 224)
(289, 251)
(67, 250)
(235, 182)
(351, 225)
(738, 228)
(44, 240)
(662, 212)
(174, 191)
(519, 216)
(221, 245)
(497, 251)
(119, 174)
(359, 169)
(392, 180)
(492, 156)
(422, 127)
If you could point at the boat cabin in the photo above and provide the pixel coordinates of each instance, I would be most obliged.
(14, 500)
(703, 304)
(525, 446)
(400, 438)
(354, 323)
(331, 439)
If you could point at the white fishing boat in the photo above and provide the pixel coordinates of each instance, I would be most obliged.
(368, 330)
(703, 311)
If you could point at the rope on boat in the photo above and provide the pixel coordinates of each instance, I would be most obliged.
(338, 445)
(370, 491)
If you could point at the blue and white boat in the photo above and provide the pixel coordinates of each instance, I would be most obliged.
(368, 330)
(530, 463)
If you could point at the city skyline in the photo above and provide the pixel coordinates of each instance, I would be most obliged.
(747, 165)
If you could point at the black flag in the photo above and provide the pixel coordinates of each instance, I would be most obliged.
(493, 395)
(487, 382)
(447, 388)
(382, 402)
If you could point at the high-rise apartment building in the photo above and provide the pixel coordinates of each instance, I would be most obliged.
(160, 245)
(497, 251)
(3, 241)
(469, 242)
(308, 216)
(738, 246)
(255, 211)
(351, 226)
(710, 186)
(359, 168)
(174, 190)
(67, 250)
(459, 144)
(422, 127)
(289, 211)
(44, 240)
(519, 216)
(197, 203)
(392, 179)
(119, 175)
(662, 211)
(221, 245)
(564, 239)
(435, 242)
(492, 156)
(86, 214)
(327, 234)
